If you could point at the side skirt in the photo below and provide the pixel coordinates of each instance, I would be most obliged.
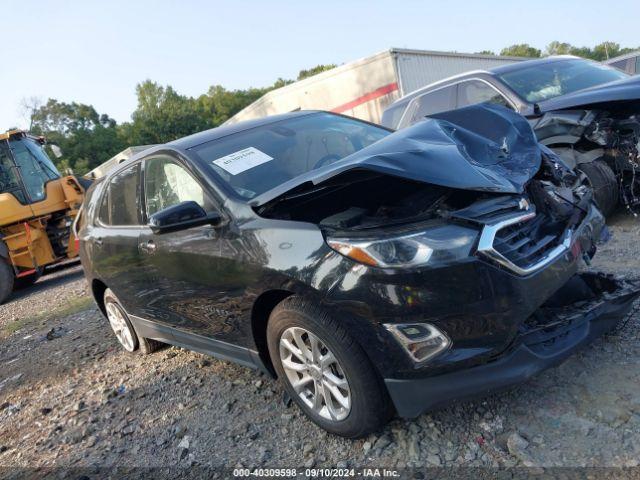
(198, 343)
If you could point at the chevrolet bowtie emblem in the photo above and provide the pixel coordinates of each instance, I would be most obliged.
(524, 204)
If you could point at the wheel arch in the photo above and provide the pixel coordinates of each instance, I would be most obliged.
(260, 312)
(98, 288)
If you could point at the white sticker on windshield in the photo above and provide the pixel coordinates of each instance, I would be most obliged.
(243, 160)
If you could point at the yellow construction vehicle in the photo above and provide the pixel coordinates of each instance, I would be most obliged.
(37, 208)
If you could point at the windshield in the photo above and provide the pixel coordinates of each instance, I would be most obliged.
(35, 167)
(549, 80)
(259, 159)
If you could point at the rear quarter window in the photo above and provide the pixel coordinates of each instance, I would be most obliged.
(120, 204)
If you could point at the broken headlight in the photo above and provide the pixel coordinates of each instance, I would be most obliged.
(437, 245)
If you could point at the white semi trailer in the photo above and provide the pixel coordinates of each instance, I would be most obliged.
(365, 87)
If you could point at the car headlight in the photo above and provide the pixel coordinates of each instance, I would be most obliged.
(440, 244)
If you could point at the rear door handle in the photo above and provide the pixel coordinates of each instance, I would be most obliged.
(148, 247)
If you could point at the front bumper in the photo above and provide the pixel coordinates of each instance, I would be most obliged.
(478, 303)
(585, 308)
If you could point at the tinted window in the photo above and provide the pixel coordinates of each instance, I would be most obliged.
(475, 91)
(549, 80)
(433, 102)
(254, 161)
(167, 183)
(637, 66)
(120, 203)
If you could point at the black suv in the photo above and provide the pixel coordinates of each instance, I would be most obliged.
(370, 271)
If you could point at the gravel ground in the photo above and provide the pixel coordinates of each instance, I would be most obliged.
(55, 290)
(70, 397)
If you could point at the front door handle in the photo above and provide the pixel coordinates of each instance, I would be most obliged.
(148, 247)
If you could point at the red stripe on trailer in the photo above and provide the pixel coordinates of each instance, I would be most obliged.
(378, 92)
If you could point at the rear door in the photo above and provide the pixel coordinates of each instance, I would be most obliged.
(111, 241)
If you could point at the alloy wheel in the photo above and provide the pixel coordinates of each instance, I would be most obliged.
(120, 327)
(315, 374)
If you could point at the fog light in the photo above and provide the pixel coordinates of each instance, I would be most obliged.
(421, 341)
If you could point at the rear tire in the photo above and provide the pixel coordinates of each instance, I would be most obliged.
(123, 329)
(604, 184)
(7, 279)
(337, 386)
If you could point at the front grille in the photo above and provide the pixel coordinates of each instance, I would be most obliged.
(528, 242)
(524, 242)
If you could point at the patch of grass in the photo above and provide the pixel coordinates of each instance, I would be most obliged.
(75, 305)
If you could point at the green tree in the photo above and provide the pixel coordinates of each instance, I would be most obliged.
(88, 138)
(558, 48)
(521, 50)
(486, 52)
(315, 70)
(606, 50)
(85, 137)
(162, 115)
(219, 104)
(584, 52)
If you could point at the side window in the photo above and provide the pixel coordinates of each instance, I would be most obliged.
(475, 91)
(121, 200)
(636, 70)
(167, 183)
(433, 102)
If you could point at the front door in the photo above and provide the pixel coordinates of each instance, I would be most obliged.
(191, 284)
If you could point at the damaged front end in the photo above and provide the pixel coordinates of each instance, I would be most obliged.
(602, 141)
(475, 177)
(464, 229)
(569, 312)
(587, 306)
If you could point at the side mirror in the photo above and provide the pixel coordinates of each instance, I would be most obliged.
(181, 217)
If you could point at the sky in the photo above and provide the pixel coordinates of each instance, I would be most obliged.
(95, 52)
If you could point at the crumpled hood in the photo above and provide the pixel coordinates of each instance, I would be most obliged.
(621, 90)
(482, 147)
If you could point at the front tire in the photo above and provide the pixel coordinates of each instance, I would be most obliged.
(7, 279)
(325, 370)
(123, 329)
(604, 184)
